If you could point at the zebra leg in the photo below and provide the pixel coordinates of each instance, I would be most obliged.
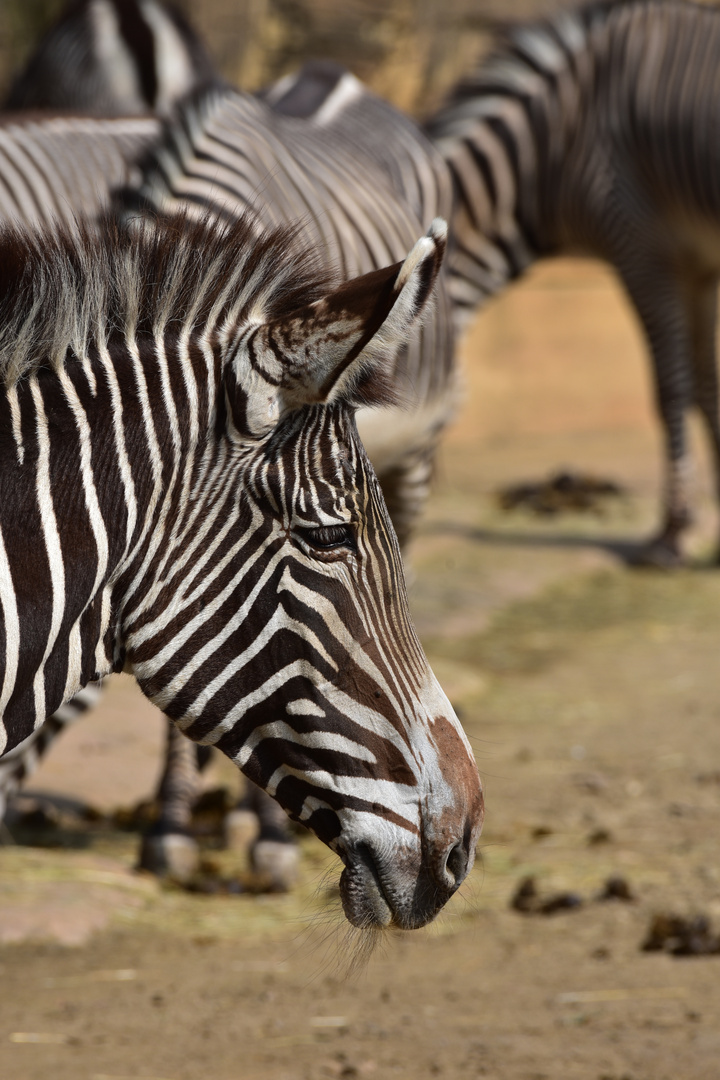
(274, 855)
(261, 824)
(664, 314)
(704, 360)
(22, 762)
(168, 850)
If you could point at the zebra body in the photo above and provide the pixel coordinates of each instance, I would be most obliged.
(113, 58)
(223, 537)
(54, 169)
(593, 132)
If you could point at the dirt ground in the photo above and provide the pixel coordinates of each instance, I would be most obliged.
(591, 693)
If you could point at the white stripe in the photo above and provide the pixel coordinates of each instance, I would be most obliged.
(12, 636)
(14, 404)
(97, 522)
(120, 446)
(52, 547)
(316, 740)
(72, 680)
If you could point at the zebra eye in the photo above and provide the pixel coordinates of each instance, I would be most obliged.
(329, 537)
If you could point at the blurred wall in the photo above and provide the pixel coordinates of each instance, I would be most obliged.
(410, 51)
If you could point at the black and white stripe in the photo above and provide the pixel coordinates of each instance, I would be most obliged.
(594, 132)
(19, 764)
(56, 168)
(223, 536)
(114, 58)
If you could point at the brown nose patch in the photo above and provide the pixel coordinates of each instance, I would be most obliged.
(459, 770)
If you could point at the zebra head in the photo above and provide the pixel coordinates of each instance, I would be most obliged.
(289, 644)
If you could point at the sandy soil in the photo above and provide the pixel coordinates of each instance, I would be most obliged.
(591, 693)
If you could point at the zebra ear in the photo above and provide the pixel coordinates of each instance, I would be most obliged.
(331, 349)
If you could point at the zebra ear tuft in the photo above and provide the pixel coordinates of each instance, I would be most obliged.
(338, 347)
(360, 326)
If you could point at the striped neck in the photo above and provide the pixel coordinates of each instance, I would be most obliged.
(94, 474)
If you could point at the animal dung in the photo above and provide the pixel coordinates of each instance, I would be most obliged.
(681, 935)
(617, 888)
(564, 492)
(528, 901)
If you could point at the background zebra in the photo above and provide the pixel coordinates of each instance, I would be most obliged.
(594, 131)
(224, 539)
(362, 180)
(54, 168)
(114, 58)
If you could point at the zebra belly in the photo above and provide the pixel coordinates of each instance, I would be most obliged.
(391, 434)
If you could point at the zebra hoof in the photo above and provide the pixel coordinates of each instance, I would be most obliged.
(241, 829)
(660, 554)
(276, 864)
(174, 856)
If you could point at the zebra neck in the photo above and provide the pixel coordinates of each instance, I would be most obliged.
(88, 469)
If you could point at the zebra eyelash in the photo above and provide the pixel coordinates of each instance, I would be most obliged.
(327, 539)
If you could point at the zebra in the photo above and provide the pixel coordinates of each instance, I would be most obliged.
(593, 132)
(114, 58)
(224, 538)
(320, 148)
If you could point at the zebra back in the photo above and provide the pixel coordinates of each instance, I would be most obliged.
(54, 169)
(588, 132)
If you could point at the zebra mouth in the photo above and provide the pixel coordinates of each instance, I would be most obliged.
(363, 898)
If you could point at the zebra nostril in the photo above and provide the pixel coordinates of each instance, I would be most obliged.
(456, 863)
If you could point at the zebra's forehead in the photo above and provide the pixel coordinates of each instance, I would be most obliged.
(315, 428)
(315, 461)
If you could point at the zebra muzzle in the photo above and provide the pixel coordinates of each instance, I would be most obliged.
(406, 891)
(363, 898)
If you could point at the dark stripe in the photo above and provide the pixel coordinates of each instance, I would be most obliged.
(140, 40)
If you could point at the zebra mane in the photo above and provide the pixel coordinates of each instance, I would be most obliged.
(63, 291)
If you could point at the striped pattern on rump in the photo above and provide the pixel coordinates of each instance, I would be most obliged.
(54, 169)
